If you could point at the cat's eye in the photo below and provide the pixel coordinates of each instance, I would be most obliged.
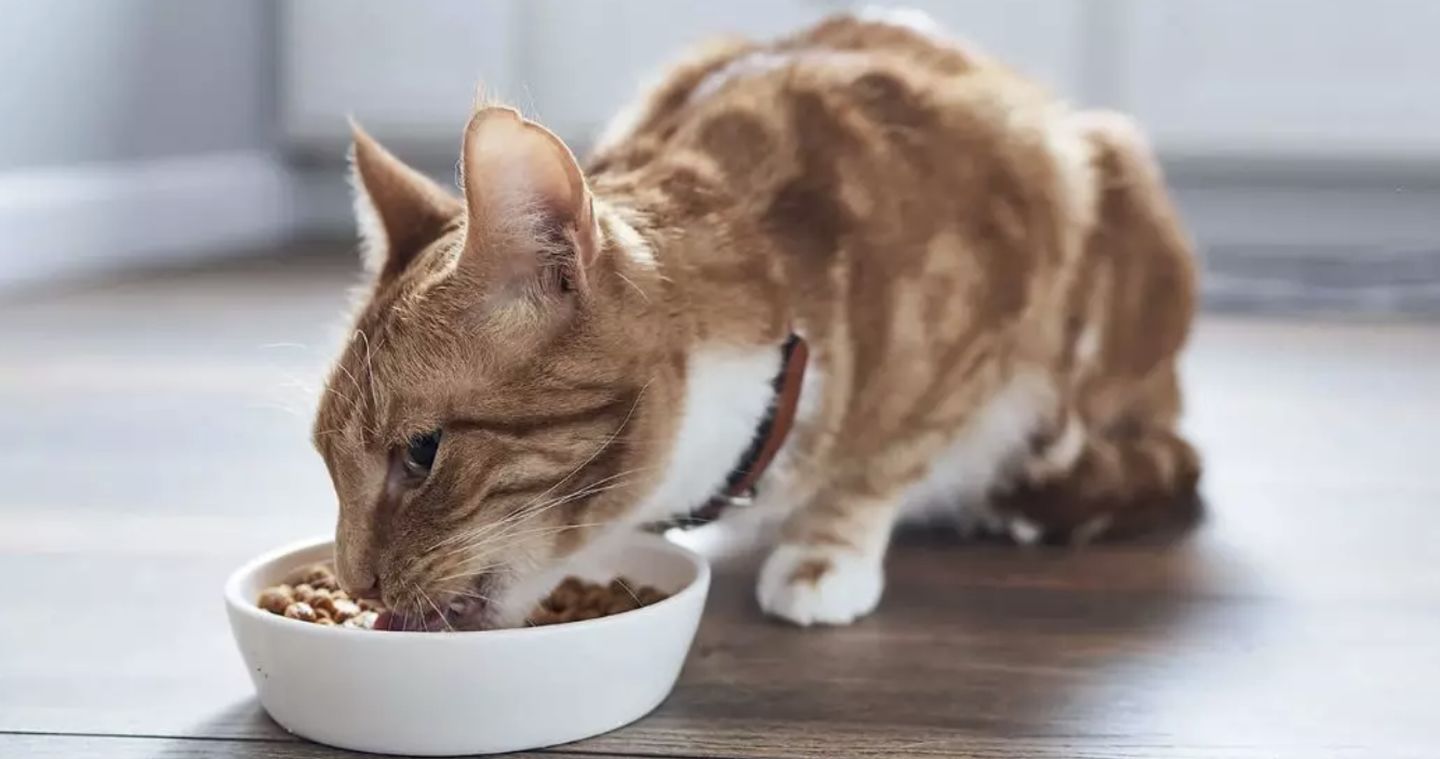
(420, 453)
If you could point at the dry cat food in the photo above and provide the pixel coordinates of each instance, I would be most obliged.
(312, 594)
(575, 599)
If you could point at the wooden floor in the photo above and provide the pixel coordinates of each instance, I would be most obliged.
(153, 436)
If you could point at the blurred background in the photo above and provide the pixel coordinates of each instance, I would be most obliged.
(1302, 137)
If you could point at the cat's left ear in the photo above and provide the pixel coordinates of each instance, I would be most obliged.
(399, 210)
(531, 216)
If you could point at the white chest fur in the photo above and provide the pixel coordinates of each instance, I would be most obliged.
(727, 392)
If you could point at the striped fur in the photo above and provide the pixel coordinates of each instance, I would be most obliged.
(994, 287)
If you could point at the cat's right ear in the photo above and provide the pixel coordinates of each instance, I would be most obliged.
(398, 209)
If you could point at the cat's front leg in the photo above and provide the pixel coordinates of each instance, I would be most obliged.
(828, 568)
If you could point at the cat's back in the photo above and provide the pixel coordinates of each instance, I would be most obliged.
(883, 138)
(877, 83)
(886, 122)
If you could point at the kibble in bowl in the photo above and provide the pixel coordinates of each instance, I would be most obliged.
(313, 594)
(575, 600)
(460, 693)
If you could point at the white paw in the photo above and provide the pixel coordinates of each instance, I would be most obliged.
(819, 585)
(1023, 531)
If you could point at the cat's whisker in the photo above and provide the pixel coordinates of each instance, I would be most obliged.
(631, 593)
(466, 572)
(354, 401)
(479, 564)
(571, 497)
(349, 399)
(349, 375)
(512, 535)
(526, 509)
(507, 537)
(295, 382)
(501, 530)
(628, 281)
(590, 489)
(608, 441)
(443, 619)
(536, 509)
(469, 594)
(369, 369)
(525, 512)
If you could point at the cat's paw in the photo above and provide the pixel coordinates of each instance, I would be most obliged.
(823, 585)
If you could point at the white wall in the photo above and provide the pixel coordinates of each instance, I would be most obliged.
(82, 80)
(135, 132)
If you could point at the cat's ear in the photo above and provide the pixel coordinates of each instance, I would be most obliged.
(531, 216)
(398, 209)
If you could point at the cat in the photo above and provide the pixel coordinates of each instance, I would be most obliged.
(991, 288)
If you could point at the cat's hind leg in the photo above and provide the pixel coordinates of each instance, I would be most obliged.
(1114, 464)
(1111, 478)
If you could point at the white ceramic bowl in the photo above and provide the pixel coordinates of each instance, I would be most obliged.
(439, 694)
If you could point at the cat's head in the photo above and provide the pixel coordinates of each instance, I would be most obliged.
(506, 392)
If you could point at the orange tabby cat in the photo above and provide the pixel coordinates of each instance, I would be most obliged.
(993, 288)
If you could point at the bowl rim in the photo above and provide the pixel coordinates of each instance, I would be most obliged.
(238, 603)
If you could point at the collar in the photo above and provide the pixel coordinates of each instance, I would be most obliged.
(770, 435)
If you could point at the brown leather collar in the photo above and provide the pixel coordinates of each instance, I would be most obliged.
(769, 437)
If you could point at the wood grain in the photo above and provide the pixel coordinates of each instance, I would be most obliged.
(44, 746)
(153, 435)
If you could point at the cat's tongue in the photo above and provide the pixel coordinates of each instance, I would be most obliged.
(386, 621)
(389, 620)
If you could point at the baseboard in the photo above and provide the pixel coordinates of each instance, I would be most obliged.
(87, 221)
(1341, 245)
(1335, 280)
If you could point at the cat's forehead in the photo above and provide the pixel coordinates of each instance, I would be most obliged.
(382, 373)
(401, 345)
(413, 311)
(407, 357)
(433, 266)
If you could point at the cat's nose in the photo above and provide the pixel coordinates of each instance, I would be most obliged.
(369, 588)
(356, 572)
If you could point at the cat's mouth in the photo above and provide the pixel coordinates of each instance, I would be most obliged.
(467, 610)
(456, 616)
